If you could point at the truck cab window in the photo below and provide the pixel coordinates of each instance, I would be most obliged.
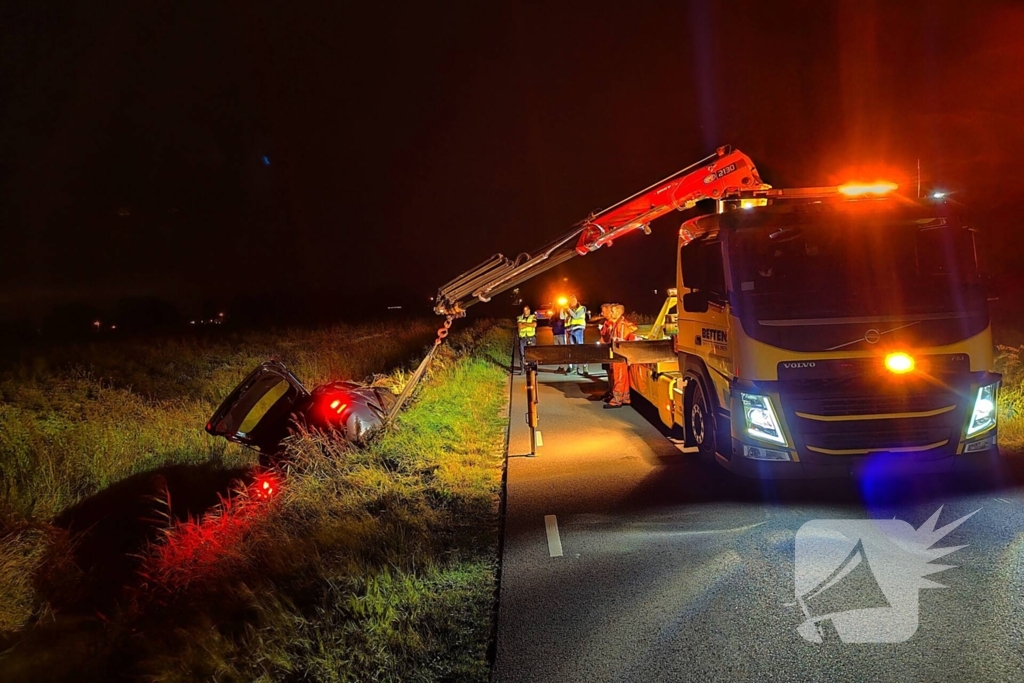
(711, 253)
(703, 270)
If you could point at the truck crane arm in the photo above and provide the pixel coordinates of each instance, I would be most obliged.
(717, 176)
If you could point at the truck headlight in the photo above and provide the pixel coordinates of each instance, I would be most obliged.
(761, 420)
(984, 415)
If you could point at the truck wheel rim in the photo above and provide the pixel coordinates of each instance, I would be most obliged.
(697, 424)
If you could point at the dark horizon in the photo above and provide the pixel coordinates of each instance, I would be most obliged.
(202, 154)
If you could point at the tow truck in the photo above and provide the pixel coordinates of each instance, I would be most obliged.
(820, 332)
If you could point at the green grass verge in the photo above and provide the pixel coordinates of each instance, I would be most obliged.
(375, 563)
(1011, 399)
(75, 419)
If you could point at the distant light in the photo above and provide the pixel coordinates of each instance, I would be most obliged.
(221, 315)
(191, 322)
(938, 195)
(393, 308)
(858, 189)
(96, 324)
(266, 160)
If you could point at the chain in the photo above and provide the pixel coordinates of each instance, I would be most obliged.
(442, 332)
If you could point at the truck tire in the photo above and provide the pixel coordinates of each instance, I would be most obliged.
(700, 422)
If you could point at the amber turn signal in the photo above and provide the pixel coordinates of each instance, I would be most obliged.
(899, 363)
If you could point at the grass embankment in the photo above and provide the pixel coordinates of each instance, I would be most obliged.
(75, 419)
(1011, 399)
(373, 563)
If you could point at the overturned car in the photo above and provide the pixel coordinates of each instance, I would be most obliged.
(271, 402)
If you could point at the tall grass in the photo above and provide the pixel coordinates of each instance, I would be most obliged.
(372, 563)
(1011, 397)
(80, 418)
(76, 419)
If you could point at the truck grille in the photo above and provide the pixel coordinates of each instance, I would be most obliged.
(878, 404)
(873, 435)
(862, 422)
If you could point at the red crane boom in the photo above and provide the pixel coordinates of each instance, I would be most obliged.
(721, 174)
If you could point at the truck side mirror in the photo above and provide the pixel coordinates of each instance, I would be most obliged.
(695, 302)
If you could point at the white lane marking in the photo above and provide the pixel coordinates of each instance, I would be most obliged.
(1003, 500)
(554, 542)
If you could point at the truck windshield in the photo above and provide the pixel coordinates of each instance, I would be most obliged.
(848, 268)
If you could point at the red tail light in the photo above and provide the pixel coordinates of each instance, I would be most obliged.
(265, 486)
(333, 407)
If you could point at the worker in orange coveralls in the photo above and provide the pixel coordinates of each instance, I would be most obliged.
(620, 330)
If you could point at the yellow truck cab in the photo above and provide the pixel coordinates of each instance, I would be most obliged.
(822, 333)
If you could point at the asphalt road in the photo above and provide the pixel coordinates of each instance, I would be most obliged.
(627, 560)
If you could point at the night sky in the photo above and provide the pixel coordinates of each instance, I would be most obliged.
(355, 153)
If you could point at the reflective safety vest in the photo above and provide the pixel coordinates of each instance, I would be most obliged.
(622, 330)
(577, 316)
(529, 328)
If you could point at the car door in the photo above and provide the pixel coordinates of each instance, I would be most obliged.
(258, 411)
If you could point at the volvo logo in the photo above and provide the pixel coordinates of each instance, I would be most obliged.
(800, 364)
(872, 336)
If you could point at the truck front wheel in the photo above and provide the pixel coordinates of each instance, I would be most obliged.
(700, 424)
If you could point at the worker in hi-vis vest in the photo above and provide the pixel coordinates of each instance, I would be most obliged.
(575, 317)
(527, 324)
